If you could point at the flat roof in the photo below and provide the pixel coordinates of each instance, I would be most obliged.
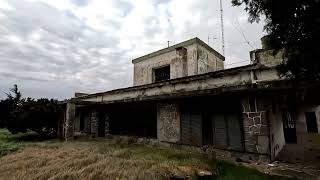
(182, 44)
(219, 73)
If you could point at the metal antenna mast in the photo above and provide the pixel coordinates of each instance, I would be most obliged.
(222, 27)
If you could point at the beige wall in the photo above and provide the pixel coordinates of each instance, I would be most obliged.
(301, 122)
(199, 60)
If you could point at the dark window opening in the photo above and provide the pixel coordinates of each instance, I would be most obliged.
(162, 73)
(81, 123)
(311, 120)
(289, 127)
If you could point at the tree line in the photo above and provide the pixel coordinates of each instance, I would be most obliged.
(19, 114)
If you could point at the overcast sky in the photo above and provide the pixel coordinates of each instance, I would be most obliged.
(52, 48)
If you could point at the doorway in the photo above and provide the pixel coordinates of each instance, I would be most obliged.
(311, 121)
(289, 127)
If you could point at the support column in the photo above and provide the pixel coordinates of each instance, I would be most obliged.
(107, 125)
(256, 131)
(168, 122)
(179, 63)
(69, 119)
(94, 123)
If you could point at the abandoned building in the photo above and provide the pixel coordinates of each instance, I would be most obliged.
(182, 95)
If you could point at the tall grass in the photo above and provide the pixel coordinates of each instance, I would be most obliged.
(105, 159)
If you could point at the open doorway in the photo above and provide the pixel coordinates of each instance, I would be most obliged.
(289, 127)
(134, 119)
(311, 121)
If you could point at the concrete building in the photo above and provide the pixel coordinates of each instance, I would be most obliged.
(183, 96)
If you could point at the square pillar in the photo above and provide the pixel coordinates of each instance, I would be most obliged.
(168, 122)
(70, 114)
(94, 122)
(256, 128)
(107, 125)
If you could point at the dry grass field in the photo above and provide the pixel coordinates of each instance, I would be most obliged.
(33, 158)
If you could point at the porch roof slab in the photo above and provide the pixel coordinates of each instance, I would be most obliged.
(223, 81)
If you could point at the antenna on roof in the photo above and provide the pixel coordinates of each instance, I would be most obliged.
(222, 28)
(209, 39)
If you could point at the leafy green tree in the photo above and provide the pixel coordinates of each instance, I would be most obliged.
(294, 25)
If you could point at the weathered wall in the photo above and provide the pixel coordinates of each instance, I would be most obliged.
(301, 123)
(275, 104)
(168, 122)
(256, 132)
(268, 58)
(208, 83)
(198, 60)
(94, 122)
(69, 120)
(207, 61)
(143, 71)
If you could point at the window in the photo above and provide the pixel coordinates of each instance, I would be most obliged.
(162, 73)
(311, 120)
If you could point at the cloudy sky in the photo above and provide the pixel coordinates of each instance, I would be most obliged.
(52, 48)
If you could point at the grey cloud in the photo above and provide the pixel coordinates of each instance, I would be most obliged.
(80, 2)
(59, 54)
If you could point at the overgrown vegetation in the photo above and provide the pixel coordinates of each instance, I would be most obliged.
(19, 114)
(6, 144)
(294, 25)
(105, 159)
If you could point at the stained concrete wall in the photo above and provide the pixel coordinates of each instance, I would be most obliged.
(207, 61)
(195, 84)
(268, 57)
(168, 122)
(198, 60)
(275, 104)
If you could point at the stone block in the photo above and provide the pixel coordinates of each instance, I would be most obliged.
(254, 114)
(247, 122)
(255, 129)
(257, 120)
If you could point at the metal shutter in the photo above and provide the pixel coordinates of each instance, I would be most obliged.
(185, 128)
(196, 128)
(220, 135)
(191, 128)
(234, 128)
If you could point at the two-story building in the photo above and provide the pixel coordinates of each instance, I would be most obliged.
(183, 96)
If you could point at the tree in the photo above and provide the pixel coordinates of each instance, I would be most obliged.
(19, 114)
(294, 25)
